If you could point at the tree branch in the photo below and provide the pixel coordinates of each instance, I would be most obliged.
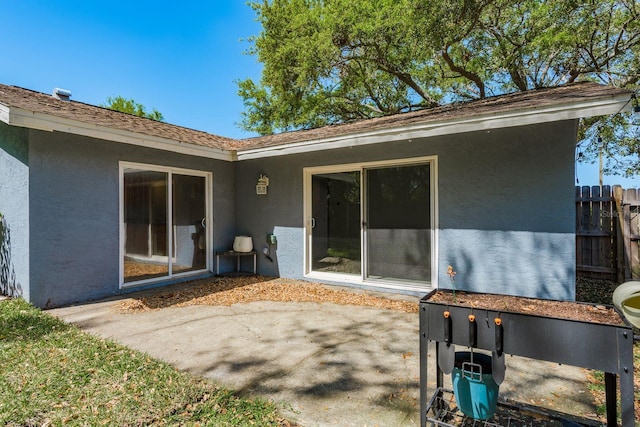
(407, 79)
(464, 73)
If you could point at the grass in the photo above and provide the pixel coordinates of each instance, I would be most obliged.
(53, 374)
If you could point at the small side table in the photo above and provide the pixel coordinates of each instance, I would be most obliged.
(237, 255)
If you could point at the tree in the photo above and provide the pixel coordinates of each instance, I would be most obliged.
(334, 61)
(129, 106)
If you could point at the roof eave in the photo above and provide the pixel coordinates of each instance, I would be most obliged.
(29, 119)
(509, 118)
(604, 105)
(4, 114)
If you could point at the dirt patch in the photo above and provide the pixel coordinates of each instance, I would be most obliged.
(595, 291)
(235, 290)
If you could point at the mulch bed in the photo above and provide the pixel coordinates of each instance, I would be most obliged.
(244, 289)
(238, 290)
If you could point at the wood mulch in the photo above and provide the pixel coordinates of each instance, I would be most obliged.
(558, 309)
(244, 289)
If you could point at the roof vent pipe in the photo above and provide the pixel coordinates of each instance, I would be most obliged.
(61, 94)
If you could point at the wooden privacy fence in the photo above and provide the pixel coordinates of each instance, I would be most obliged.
(608, 233)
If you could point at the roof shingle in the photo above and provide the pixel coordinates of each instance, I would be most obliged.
(38, 102)
(540, 98)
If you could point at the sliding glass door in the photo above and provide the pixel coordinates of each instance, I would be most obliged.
(371, 222)
(163, 222)
(145, 225)
(336, 222)
(188, 214)
(397, 225)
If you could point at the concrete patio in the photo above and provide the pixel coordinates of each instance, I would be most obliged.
(323, 364)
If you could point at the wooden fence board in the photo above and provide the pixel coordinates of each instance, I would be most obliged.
(607, 247)
(608, 233)
(595, 233)
(631, 203)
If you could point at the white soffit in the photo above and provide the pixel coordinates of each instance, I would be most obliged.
(46, 122)
(534, 115)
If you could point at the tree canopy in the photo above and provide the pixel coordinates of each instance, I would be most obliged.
(334, 61)
(128, 105)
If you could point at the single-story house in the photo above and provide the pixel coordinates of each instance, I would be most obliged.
(98, 203)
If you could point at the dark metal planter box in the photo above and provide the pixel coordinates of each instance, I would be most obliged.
(597, 346)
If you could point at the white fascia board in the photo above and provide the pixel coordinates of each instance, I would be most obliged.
(488, 121)
(46, 122)
(4, 113)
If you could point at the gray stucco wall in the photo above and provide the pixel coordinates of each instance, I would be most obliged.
(505, 201)
(74, 206)
(507, 213)
(279, 212)
(505, 204)
(14, 206)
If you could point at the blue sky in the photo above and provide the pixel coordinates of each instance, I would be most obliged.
(181, 58)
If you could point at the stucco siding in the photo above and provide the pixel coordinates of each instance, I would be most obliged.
(74, 205)
(279, 212)
(14, 206)
(523, 263)
(505, 206)
(507, 212)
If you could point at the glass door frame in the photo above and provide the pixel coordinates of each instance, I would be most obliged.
(361, 279)
(170, 171)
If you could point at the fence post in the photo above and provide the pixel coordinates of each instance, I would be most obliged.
(630, 205)
(623, 253)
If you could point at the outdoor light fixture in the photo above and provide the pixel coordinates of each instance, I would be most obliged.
(261, 186)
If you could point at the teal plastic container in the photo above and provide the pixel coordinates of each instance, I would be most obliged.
(474, 388)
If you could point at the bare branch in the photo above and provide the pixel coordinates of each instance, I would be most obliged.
(464, 73)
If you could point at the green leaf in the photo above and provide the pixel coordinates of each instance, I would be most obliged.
(335, 61)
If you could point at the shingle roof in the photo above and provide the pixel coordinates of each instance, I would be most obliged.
(533, 99)
(37, 102)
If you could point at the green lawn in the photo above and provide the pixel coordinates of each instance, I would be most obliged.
(54, 374)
